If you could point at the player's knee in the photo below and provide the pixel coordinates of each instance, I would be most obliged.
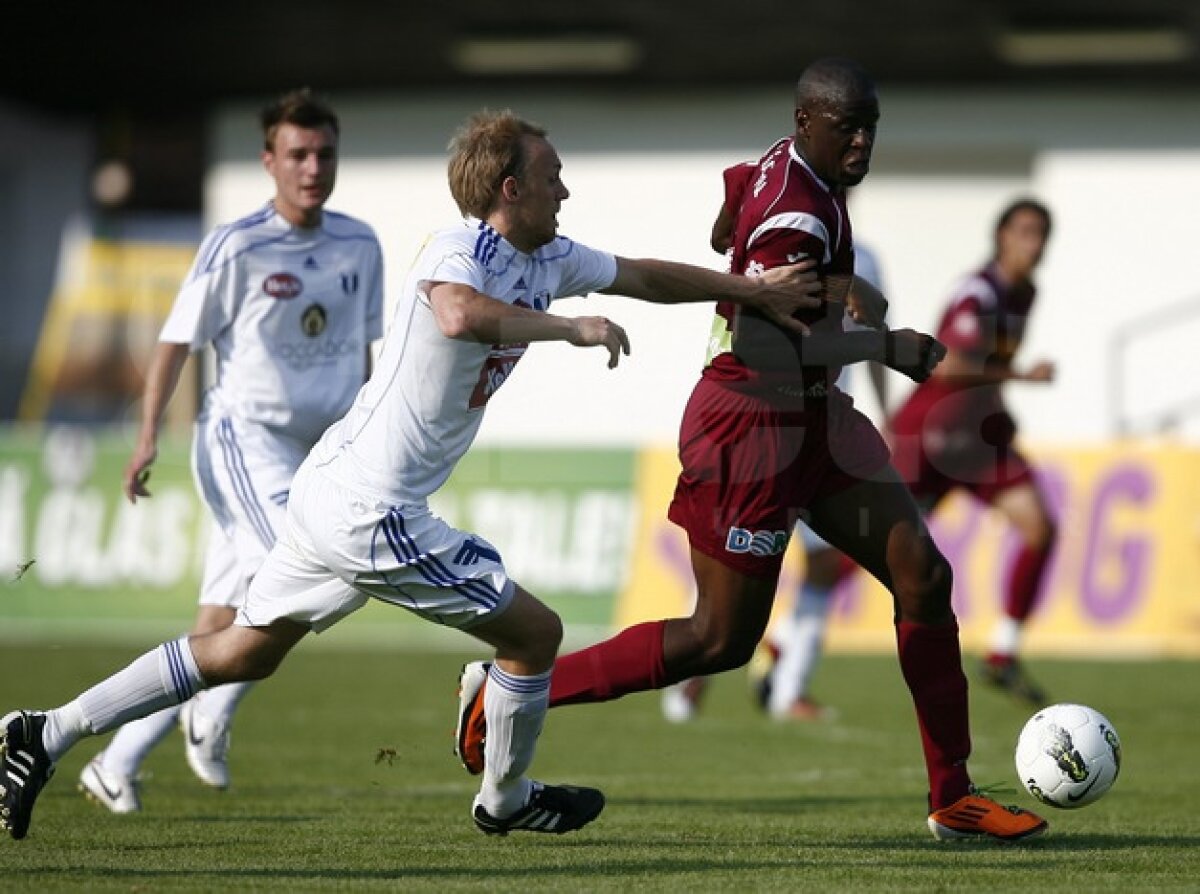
(245, 667)
(541, 638)
(824, 568)
(548, 636)
(727, 651)
(923, 589)
(1045, 535)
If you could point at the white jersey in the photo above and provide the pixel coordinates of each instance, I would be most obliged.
(424, 404)
(290, 313)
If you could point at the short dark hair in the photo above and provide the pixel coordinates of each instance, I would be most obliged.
(299, 107)
(831, 81)
(1025, 203)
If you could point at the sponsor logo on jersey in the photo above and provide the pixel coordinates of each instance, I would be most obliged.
(472, 551)
(303, 355)
(313, 320)
(757, 543)
(350, 283)
(496, 369)
(284, 286)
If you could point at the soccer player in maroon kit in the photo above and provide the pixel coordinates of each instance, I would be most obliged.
(955, 431)
(768, 438)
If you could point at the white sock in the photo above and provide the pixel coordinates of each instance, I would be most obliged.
(219, 703)
(515, 708)
(133, 741)
(1006, 636)
(800, 652)
(162, 677)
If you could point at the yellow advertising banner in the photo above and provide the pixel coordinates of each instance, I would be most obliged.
(1124, 580)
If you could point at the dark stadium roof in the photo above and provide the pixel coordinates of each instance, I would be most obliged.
(77, 57)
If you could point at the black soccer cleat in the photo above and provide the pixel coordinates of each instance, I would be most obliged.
(552, 808)
(24, 769)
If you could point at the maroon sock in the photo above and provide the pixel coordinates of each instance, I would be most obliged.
(1025, 583)
(631, 661)
(932, 666)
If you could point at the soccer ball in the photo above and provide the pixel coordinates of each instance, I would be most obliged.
(1068, 755)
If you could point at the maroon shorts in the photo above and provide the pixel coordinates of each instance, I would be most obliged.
(752, 466)
(941, 441)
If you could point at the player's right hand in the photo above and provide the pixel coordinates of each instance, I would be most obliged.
(137, 472)
(1042, 371)
(913, 353)
(589, 332)
(788, 289)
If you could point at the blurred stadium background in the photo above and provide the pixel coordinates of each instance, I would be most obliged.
(126, 131)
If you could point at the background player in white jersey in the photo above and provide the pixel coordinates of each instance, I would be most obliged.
(358, 522)
(290, 298)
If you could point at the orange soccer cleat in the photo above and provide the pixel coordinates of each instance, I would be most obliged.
(976, 816)
(471, 730)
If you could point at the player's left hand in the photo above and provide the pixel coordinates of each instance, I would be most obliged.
(587, 332)
(785, 290)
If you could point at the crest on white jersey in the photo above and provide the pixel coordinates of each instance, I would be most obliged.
(313, 320)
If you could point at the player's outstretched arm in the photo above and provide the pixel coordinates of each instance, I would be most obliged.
(776, 294)
(969, 369)
(463, 313)
(161, 379)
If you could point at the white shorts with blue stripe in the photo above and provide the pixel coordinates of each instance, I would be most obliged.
(337, 549)
(243, 471)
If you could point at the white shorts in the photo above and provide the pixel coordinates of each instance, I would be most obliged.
(338, 548)
(243, 472)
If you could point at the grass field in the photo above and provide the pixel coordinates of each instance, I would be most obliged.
(732, 801)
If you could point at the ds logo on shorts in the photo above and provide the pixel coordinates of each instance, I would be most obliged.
(757, 543)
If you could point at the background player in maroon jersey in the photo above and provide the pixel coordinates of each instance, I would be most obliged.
(955, 431)
(768, 438)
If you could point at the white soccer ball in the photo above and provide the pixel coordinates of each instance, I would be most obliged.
(1068, 755)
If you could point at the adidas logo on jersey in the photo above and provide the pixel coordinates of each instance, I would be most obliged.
(520, 284)
(310, 263)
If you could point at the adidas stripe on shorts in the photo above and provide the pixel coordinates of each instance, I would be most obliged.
(337, 549)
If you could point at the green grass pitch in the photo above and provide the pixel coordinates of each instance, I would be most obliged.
(343, 780)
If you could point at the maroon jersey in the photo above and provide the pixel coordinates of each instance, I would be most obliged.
(783, 214)
(985, 318)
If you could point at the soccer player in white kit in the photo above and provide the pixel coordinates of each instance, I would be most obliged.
(358, 522)
(290, 298)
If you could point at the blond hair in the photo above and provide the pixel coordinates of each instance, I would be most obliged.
(485, 151)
